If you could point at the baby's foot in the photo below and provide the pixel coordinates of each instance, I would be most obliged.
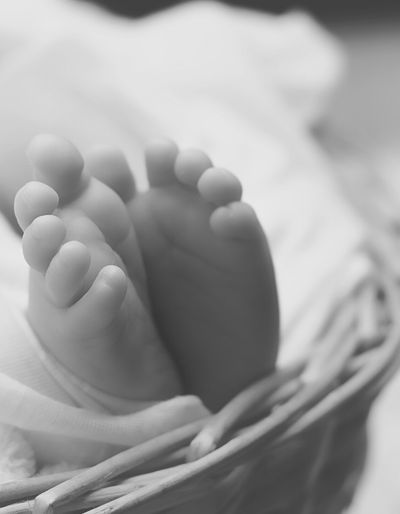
(82, 306)
(210, 274)
(58, 164)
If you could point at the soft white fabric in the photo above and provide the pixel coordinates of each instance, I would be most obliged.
(245, 87)
(17, 459)
(49, 417)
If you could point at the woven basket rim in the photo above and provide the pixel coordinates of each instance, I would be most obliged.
(350, 366)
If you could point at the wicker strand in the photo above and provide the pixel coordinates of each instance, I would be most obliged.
(357, 355)
(100, 474)
(229, 417)
(231, 453)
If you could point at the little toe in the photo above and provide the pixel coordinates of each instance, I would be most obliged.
(190, 165)
(160, 162)
(66, 272)
(42, 240)
(109, 165)
(58, 164)
(98, 308)
(34, 199)
(219, 186)
(236, 220)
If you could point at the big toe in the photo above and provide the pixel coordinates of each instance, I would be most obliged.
(160, 161)
(109, 165)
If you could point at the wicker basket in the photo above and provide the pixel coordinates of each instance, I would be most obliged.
(294, 442)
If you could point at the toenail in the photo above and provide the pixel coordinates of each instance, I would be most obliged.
(110, 274)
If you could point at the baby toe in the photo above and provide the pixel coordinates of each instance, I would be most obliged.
(66, 273)
(58, 164)
(98, 308)
(34, 199)
(236, 220)
(42, 240)
(190, 164)
(109, 165)
(219, 186)
(160, 161)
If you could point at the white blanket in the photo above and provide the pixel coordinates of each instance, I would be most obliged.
(245, 87)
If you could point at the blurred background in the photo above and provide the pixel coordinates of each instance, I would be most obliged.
(367, 105)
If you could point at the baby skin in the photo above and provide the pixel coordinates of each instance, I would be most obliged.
(91, 240)
(83, 304)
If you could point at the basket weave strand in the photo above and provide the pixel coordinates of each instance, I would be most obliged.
(293, 443)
